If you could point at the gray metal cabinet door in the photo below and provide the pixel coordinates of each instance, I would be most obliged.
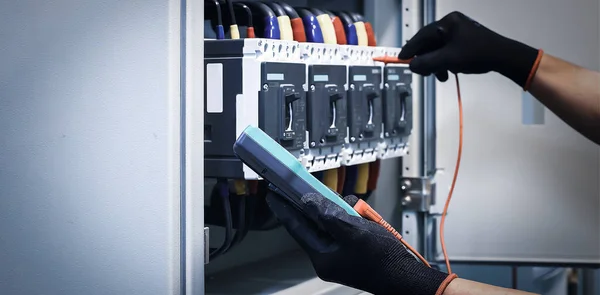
(89, 147)
(528, 189)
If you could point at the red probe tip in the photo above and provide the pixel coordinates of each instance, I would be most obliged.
(391, 60)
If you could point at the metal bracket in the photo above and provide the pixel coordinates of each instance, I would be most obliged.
(417, 193)
(206, 246)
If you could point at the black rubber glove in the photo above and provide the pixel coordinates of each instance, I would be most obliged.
(458, 44)
(353, 251)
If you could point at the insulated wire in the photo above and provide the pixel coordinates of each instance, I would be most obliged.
(367, 212)
(234, 31)
(223, 191)
(460, 147)
(330, 179)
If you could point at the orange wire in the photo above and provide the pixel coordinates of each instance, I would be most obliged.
(460, 146)
(367, 212)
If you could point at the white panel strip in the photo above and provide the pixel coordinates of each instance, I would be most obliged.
(194, 148)
(214, 88)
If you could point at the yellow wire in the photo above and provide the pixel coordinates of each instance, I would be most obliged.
(285, 28)
(240, 187)
(327, 29)
(362, 179)
(234, 32)
(361, 33)
(330, 179)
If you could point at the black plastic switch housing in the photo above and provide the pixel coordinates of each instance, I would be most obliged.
(326, 105)
(364, 103)
(397, 102)
(282, 103)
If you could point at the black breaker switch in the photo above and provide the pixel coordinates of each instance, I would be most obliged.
(364, 103)
(327, 111)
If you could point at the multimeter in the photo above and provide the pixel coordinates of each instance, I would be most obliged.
(281, 169)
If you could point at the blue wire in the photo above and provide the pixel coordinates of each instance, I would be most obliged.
(220, 32)
(272, 28)
(351, 35)
(313, 29)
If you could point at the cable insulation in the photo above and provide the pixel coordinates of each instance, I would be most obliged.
(460, 147)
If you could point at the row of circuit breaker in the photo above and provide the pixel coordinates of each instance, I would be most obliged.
(329, 105)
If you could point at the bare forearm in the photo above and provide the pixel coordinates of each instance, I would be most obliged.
(571, 92)
(465, 287)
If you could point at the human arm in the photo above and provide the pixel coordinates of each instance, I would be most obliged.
(466, 287)
(362, 254)
(571, 92)
(458, 44)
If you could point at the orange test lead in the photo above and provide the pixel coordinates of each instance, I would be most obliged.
(391, 60)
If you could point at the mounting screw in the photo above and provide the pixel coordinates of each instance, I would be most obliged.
(406, 184)
(406, 200)
(265, 87)
(312, 87)
(352, 139)
(322, 140)
(313, 144)
(387, 134)
(352, 87)
(360, 135)
(387, 86)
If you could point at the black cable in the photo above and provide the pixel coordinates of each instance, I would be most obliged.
(231, 12)
(316, 11)
(277, 9)
(346, 19)
(331, 14)
(248, 12)
(223, 190)
(289, 10)
(242, 226)
(265, 20)
(219, 30)
(218, 10)
(356, 17)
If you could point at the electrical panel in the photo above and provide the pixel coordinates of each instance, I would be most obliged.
(329, 105)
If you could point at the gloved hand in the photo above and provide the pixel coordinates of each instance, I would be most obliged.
(353, 251)
(458, 44)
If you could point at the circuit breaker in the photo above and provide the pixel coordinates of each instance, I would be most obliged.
(256, 82)
(327, 106)
(282, 104)
(397, 105)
